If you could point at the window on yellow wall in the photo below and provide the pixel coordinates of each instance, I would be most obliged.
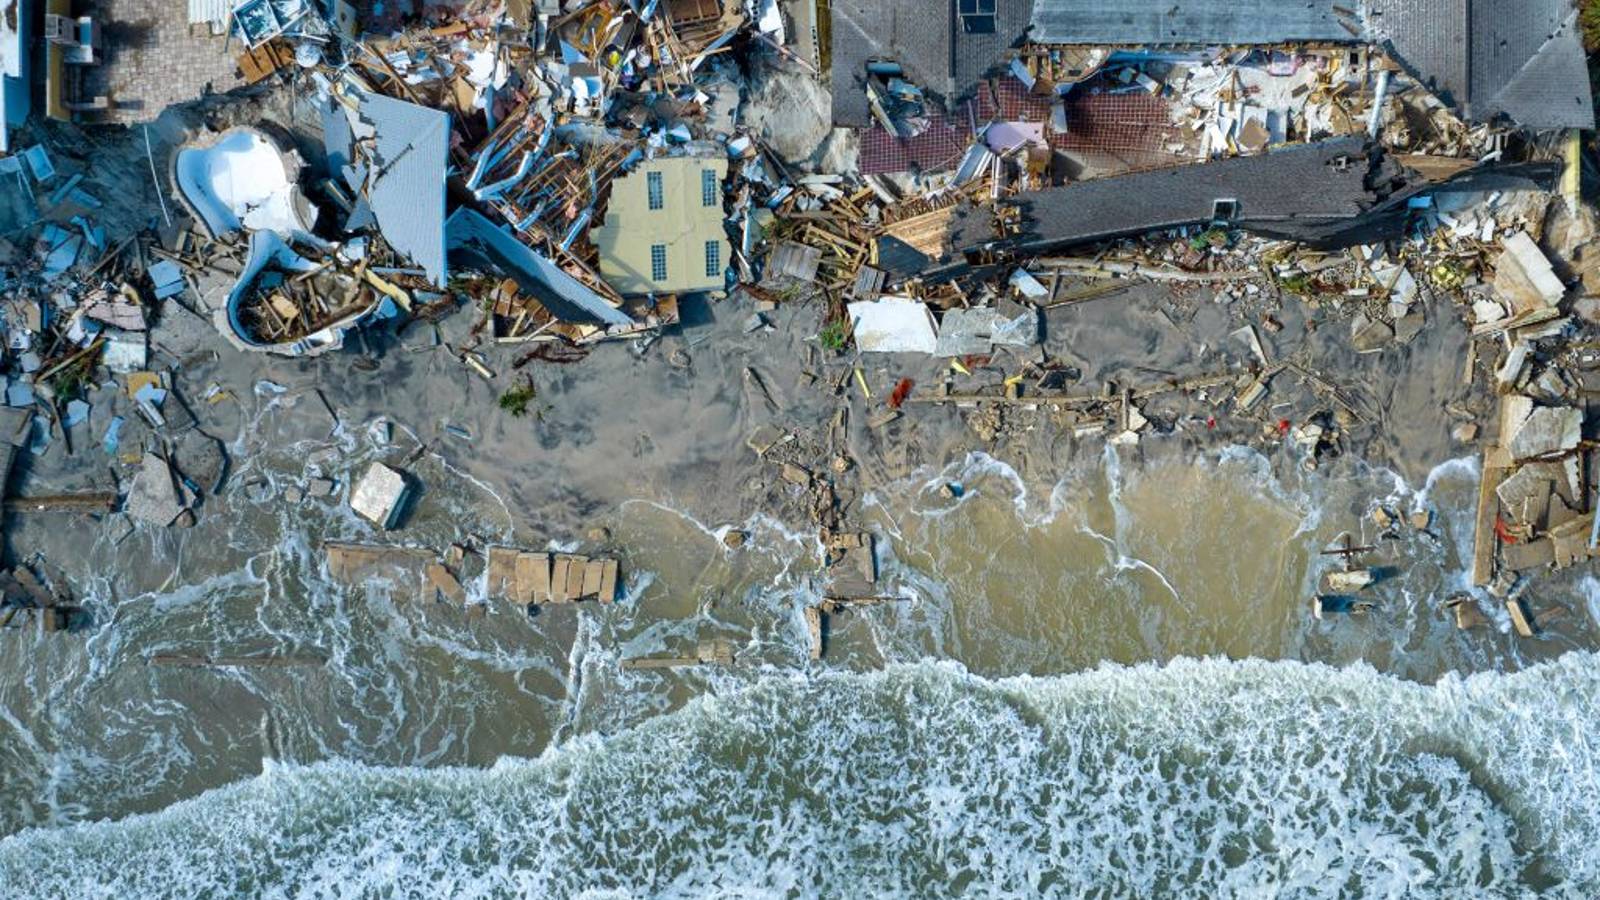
(657, 195)
(708, 187)
(658, 262)
(713, 259)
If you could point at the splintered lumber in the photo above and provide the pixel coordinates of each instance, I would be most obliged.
(927, 233)
(1144, 393)
(1111, 268)
(1496, 463)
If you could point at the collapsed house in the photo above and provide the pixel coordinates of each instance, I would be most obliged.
(242, 184)
(1363, 196)
(920, 86)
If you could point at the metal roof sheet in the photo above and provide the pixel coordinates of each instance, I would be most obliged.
(407, 185)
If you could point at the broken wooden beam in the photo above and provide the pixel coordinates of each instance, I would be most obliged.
(87, 502)
(266, 661)
(1496, 463)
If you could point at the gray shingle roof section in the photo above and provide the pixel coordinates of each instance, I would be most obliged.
(1528, 64)
(1270, 189)
(915, 35)
(408, 180)
(485, 244)
(1191, 21)
(1429, 38)
(1519, 58)
(976, 55)
(925, 38)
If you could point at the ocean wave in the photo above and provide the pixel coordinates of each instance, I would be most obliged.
(1226, 778)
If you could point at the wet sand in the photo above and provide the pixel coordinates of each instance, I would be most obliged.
(1059, 554)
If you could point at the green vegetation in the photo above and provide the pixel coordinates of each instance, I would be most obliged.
(1298, 284)
(516, 400)
(72, 383)
(832, 336)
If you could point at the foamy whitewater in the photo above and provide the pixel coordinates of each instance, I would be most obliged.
(1201, 777)
(876, 772)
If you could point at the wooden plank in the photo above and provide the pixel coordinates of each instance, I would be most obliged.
(608, 581)
(814, 630)
(1521, 618)
(592, 572)
(533, 578)
(575, 576)
(502, 572)
(1483, 541)
(558, 579)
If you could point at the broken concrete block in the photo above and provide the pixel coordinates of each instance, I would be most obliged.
(814, 630)
(153, 497)
(379, 495)
(1528, 485)
(500, 569)
(445, 583)
(1534, 554)
(1523, 276)
(1546, 430)
(764, 438)
(1369, 335)
(1348, 582)
(593, 571)
(559, 571)
(575, 569)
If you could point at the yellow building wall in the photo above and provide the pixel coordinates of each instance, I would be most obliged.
(683, 225)
(55, 69)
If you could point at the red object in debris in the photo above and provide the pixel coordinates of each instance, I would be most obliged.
(1211, 421)
(900, 393)
(1502, 532)
(1283, 426)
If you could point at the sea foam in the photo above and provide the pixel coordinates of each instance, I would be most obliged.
(1208, 776)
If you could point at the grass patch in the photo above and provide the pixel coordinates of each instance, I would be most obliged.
(833, 336)
(515, 400)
